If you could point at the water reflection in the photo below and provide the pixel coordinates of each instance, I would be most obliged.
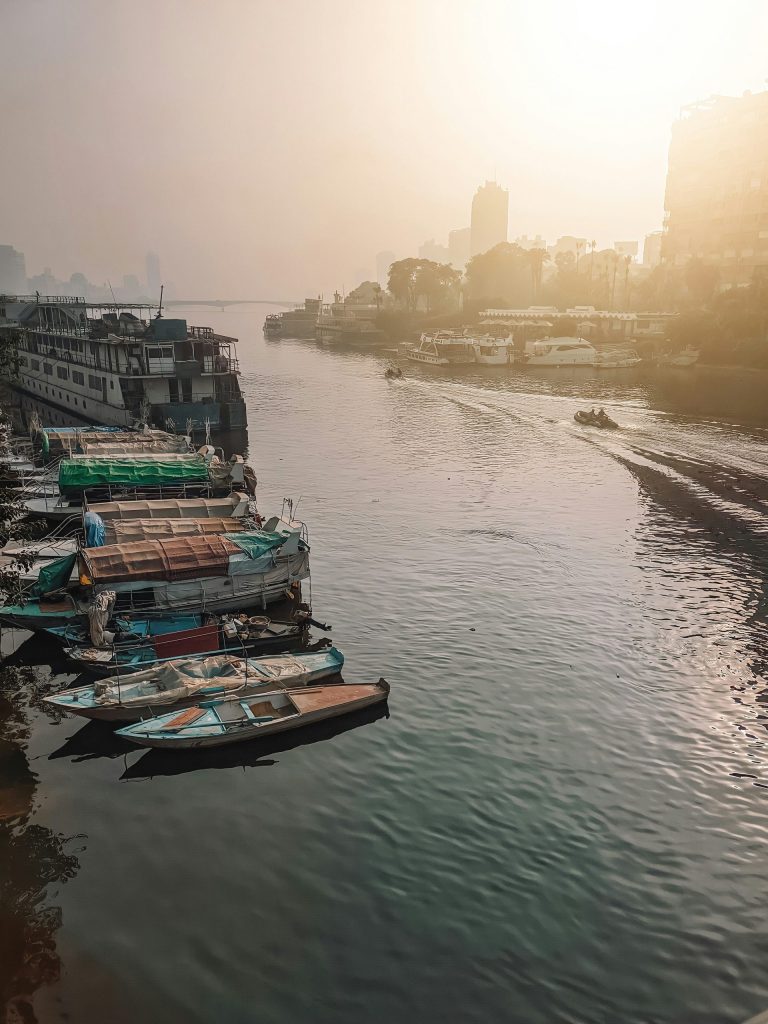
(32, 859)
(253, 754)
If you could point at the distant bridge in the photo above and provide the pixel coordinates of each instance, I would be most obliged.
(231, 302)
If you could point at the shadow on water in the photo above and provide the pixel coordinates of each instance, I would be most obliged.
(252, 754)
(32, 859)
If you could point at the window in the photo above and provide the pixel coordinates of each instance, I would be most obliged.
(112, 385)
(23, 361)
(77, 377)
(35, 364)
(47, 368)
(62, 373)
(94, 382)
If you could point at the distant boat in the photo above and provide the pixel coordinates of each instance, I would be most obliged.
(560, 352)
(685, 357)
(183, 683)
(617, 360)
(232, 720)
(490, 351)
(442, 348)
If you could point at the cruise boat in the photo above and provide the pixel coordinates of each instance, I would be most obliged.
(560, 352)
(118, 365)
(353, 323)
(300, 322)
(491, 351)
(442, 348)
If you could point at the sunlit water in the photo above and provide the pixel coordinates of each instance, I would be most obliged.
(564, 817)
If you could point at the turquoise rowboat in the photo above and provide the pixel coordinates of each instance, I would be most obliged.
(235, 719)
(176, 685)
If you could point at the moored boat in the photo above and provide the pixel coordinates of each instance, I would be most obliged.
(442, 348)
(255, 636)
(557, 352)
(233, 720)
(178, 684)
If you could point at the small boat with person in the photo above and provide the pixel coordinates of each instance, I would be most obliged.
(590, 418)
(233, 720)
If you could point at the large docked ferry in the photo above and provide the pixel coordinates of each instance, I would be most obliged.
(118, 364)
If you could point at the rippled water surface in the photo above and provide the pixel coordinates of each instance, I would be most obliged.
(563, 818)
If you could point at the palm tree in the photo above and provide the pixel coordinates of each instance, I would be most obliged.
(536, 258)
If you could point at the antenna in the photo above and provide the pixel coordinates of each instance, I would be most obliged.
(114, 300)
(159, 314)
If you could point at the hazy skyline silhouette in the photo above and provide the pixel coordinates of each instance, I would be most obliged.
(271, 150)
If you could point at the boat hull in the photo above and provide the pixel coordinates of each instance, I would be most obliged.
(176, 742)
(142, 712)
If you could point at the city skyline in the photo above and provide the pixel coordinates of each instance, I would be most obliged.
(167, 164)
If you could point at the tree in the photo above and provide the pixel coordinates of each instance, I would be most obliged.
(536, 260)
(501, 274)
(414, 279)
(701, 280)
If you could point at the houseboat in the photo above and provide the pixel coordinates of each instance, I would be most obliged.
(490, 351)
(300, 322)
(442, 348)
(352, 323)
(118, 364)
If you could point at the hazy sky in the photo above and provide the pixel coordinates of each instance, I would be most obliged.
(270, 149)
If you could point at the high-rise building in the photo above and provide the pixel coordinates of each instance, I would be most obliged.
(531, 243)
(153, 275)
(717, 187)
(568, 244)
(459, 247)
(384, 261)
(432, 250)
(13, 271)
(652, 249)
(490, 215)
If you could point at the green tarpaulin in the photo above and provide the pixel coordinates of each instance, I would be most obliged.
(77, 475)
(257, 543)
(54, 576)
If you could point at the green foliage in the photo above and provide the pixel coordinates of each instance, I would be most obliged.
(500, 276)
(413, 279)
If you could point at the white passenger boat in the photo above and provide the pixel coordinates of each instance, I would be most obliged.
(490, 351)
(560, 352)
(442, 348)
(617, 360)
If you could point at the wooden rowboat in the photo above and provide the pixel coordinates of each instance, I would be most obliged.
(232, 720)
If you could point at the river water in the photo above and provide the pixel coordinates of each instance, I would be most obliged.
(563, 817)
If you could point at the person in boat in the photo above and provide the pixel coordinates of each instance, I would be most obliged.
(602, 415)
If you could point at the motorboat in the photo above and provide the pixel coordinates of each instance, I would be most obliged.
(560, 352)
(595, 419)
(442, 348)
(617, 360)
(685, 357)
(232, 720)
(176, 685)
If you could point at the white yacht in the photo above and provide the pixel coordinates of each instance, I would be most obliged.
(560, 352)
(617, 360)
(442, 348)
